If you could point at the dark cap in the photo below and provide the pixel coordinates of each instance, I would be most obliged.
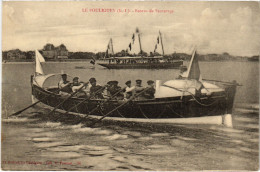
(138, 81)
(114, 82)
(109, 82)
(64, 74)
(150, 82)
(75, 78)
(91, 80)
(128, 82)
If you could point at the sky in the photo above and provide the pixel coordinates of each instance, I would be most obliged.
(212, 27)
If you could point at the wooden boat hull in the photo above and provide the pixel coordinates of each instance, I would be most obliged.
(163, 108)
(225, 119)
(165, 65)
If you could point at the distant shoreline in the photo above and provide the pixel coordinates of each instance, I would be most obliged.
(80, 60)
(51, 61)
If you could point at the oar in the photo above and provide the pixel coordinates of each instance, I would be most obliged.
(84, 100)
(20, 111)
(106, 101)
(56, 107)
(100, 119)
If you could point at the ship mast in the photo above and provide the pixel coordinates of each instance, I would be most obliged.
(161, 42)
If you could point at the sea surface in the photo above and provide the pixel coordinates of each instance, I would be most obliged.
(33, 141)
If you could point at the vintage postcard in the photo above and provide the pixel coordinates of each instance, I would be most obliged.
(130, 86)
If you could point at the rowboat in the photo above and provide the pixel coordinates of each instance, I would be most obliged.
(188, 99)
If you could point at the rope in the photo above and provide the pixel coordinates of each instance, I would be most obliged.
(193, 96)
(174, 111)
(142, 112)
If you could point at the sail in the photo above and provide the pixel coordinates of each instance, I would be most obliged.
(110, 49)
(38, 60)
(194, 70)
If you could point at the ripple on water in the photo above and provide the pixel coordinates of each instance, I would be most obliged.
(116, 137)
(43, 139)
(61, 155)
(159, 134)
(229, 150)
(49, 144)
(185, 138)
(99, 163)
(17, 120)
(51, 124)
(67, 148)
(180, 143)
(145, 138)
(248, 150)
(41, 133)
(80, 128)
(225, 129)
(245, 119)
(96, 148)
(132, 133)
(158, 150)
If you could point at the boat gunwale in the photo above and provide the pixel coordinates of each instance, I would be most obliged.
(164, 100)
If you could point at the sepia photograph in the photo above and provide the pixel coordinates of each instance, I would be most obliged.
(130, 86)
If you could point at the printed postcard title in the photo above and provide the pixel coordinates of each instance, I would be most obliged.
(126, 10)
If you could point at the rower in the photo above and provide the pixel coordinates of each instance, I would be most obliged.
(94, 88)
(149, 94)
(64, 85)
(128, 90)
(116, 90)
(76, 85)
(113, 89)
(139, 88)
(183, 72)
(109, 86)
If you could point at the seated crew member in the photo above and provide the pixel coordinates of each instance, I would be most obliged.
(139, 88)
(115, 91)
(109, 86)
(149, 94)
(64, 84)
(76, 85)
(96, 91)
(183, 72)
(128, 90)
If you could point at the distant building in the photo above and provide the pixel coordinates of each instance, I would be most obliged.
(51, 52)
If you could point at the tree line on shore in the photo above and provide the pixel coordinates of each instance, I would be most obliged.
(18, 55)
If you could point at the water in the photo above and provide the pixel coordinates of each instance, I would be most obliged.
(37, 142)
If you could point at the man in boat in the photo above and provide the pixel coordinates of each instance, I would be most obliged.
(96, 90)
(149, 94)
(64, 85)
(128, 90)
(109, 85)
(139, 88)
(183, 72)
(114, 90)
(76, 85)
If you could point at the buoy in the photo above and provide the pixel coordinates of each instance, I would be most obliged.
(227, 120)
